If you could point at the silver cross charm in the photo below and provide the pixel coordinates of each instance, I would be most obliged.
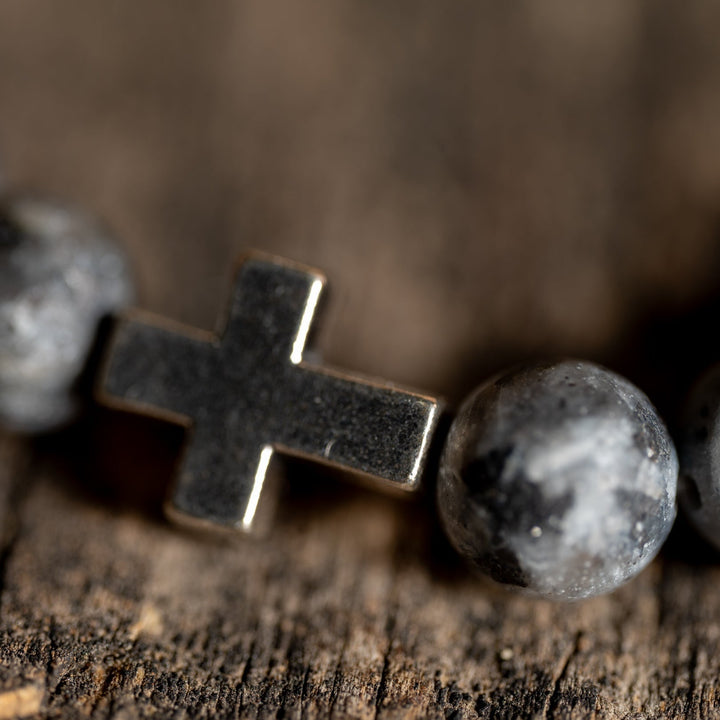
(247, 393)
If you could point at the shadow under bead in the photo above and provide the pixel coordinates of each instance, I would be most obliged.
(559, 479)
(60, 274)
(699, 447)
(10, 233)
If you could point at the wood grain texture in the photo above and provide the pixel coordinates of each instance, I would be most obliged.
(483, 183)
(355, 608)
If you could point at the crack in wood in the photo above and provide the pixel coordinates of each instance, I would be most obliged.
(555, 695)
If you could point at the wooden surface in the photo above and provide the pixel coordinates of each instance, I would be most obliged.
(482, 183)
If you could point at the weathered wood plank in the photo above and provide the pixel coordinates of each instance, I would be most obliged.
(355, 609)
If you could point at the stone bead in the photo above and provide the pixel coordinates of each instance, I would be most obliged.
(559, 479)
(699, 446)
(60, 273)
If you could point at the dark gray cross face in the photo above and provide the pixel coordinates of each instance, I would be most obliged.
(248, 393)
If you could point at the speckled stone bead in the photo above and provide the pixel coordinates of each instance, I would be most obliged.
(699, 446)
(60, 273)
(559, 479)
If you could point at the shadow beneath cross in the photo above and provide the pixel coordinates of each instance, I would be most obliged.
(115, 459)
(125, 464)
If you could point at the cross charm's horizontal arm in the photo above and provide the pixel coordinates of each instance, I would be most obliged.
(364, 425)
(156, 367)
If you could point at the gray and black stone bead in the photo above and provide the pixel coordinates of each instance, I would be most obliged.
(699, 448)
(60, 273)
(559, 479)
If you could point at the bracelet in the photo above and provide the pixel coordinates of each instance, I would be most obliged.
(557, 478)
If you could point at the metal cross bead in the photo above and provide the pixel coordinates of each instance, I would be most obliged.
(247, 393)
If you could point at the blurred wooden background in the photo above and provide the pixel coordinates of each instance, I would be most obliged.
(483, 183)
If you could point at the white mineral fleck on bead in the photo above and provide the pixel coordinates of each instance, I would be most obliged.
(60, 273)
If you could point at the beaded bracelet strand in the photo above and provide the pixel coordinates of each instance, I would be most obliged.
(558, 478)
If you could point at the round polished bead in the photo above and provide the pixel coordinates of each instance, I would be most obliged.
(559, 479)
(60, 273)
(699, 447)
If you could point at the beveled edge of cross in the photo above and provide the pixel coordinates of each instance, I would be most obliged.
(136, 315)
